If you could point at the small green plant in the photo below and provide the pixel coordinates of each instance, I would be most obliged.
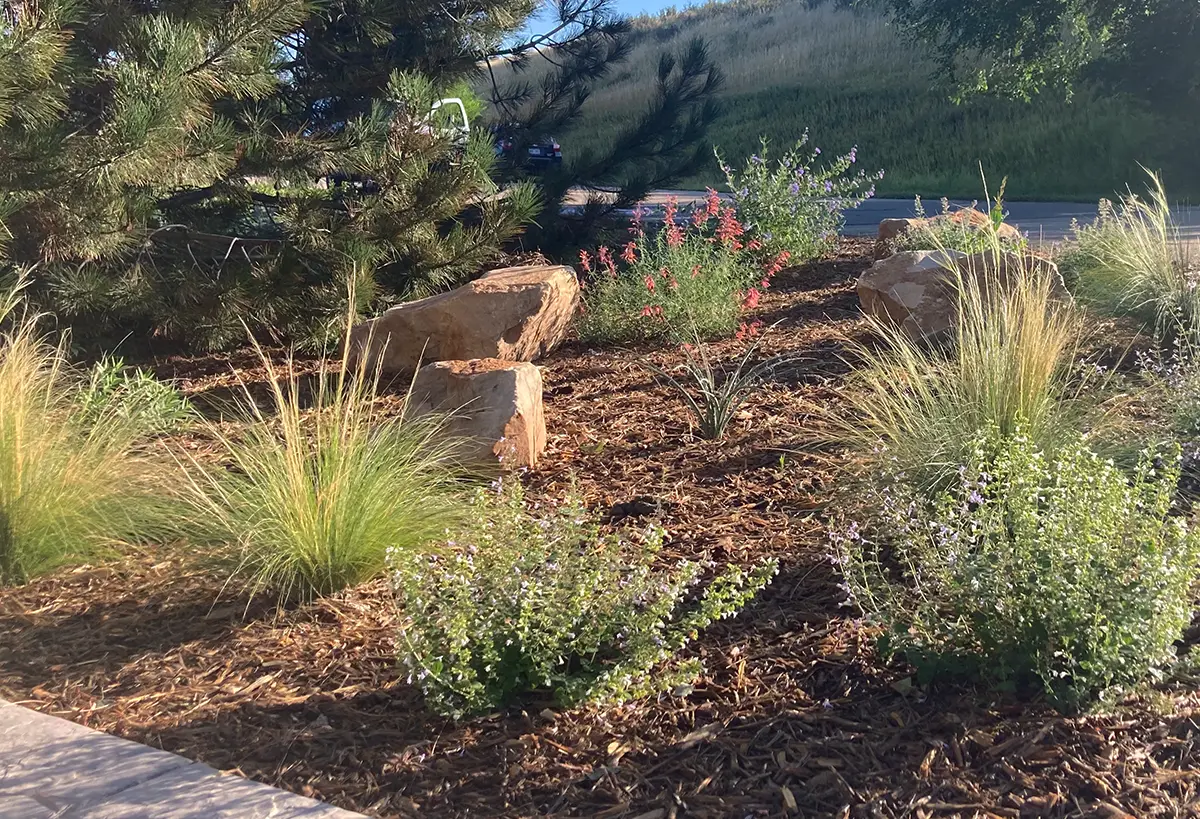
(73, 482)
(1034, 566)
(148, 403)
(518, 604)
(1131, 261)
(718, 395)
(964, 230)
(697, 275)
(311, 497)
(796, 204)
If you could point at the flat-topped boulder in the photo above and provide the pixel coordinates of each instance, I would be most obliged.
(891, 231)
(512, 314)
(916, 289)
(495, 405)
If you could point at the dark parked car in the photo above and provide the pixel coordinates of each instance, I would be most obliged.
(542, 152)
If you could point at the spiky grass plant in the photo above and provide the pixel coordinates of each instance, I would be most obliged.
(311, 496)
(718, 395)
(1006, 366)
(73, 483)
(1132, 260)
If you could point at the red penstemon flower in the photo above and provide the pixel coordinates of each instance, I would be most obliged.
(649, 282)
(712, 203)
(695, 271)
(746, 331)
(754, 244)
(629, 254)
(729, 228)
(605, 256)
(585, 261)
(750, 299)
(652, 311)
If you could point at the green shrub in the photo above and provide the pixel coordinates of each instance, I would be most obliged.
(520, 604)
(72, 482)
(795, 205)
(1007, 364)
(948, 233)
(146, 402)
(697, 275)
(1130, 261)
(1054, 567)
(310, 500)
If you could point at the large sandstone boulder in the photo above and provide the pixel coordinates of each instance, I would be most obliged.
(496, 405)
(891, 230)
(915, 289)
(513, 314)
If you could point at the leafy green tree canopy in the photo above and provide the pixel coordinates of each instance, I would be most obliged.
(1150, 48)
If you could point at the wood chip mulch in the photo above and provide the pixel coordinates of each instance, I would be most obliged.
(796, 714)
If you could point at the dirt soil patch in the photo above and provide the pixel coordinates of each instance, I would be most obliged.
(796, 715)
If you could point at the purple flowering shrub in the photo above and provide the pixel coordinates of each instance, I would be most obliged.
(795, 204)
(553, 603)
(1030, 567)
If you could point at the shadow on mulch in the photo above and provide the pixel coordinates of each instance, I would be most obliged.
(92, 625)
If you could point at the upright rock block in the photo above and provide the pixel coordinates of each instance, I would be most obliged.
(512, 314)
(495, 404)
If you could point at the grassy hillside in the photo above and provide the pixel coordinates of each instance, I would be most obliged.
(850, 79)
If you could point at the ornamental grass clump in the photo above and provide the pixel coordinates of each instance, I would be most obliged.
(553, 604)
(700, 272)
(1133, 261)
(1051, 569)
(308, 497)
(1007, 364)
(74, 481)
(796, 204)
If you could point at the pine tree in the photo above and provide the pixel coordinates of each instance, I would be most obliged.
(160, 166)
(190, 168)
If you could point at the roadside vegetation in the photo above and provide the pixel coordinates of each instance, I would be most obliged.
(850, 79)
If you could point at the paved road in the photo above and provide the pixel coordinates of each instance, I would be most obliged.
(1049, 221)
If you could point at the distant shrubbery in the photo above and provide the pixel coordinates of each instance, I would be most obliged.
(795, 204)
(951, 230)
(519, 604)
(694, 274)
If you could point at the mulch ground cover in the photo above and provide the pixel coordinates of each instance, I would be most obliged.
(796, 715)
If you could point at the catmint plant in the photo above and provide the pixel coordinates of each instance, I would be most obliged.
(795, 204)
(1054, 568)
(551, 603)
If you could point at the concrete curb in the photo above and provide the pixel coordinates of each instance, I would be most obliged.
(54, 769)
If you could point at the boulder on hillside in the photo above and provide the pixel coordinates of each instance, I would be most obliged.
(495, 405)
(890, 230)
(915, 288)
(513, 314)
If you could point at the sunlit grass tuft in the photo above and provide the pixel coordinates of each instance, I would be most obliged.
(1132, 260)
(73, 482)
(310, 496)
(1005, 366)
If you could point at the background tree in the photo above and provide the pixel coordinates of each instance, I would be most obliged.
(1148, 47)
(164, 169)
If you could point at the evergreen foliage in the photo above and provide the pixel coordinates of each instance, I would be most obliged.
(187, 169)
